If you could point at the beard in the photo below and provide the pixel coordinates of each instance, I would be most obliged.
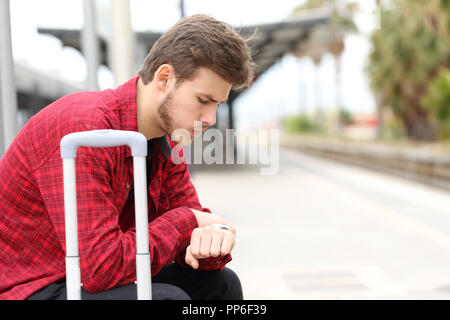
(165, 120)
(167, 123)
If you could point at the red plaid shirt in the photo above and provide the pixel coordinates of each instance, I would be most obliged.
(32, 246)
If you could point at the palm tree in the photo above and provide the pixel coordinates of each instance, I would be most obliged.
(328, 38)
(408, 51)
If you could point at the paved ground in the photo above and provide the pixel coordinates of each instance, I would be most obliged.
(322, 230)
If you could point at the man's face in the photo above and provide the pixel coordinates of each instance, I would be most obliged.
(196, 99)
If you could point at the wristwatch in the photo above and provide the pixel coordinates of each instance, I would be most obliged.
(221, 226)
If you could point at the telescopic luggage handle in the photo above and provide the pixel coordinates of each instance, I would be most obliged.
(106, 138)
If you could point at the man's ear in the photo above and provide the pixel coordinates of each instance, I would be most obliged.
(164, 76)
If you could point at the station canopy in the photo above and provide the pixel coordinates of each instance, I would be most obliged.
(273, 40)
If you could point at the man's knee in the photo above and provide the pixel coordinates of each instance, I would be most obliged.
(230, 284)
(164, 291)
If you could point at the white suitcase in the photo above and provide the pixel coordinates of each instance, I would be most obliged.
(106, 138)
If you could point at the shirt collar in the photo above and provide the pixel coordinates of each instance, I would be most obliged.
(126, 96)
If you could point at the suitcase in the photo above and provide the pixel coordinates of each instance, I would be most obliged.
(106, 138)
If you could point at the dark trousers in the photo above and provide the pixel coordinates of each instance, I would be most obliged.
(171, 283)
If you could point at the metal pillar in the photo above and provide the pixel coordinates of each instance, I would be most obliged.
(122, 43)
(90, 45)
(182, 10)
(7, 81)
(231, 97)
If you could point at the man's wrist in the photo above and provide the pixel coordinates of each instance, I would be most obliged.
(204, 218)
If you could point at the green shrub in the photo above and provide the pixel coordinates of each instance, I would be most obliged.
(345, 117)
(299, 124)
(437, 101)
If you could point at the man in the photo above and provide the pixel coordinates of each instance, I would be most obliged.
(187, 74)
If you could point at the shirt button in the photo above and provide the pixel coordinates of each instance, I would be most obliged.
(128, 185)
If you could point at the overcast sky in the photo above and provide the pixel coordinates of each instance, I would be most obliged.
(288, 87)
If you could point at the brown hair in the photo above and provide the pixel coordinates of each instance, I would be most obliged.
(201, 41)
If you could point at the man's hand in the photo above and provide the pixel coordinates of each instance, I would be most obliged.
(208, 242)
